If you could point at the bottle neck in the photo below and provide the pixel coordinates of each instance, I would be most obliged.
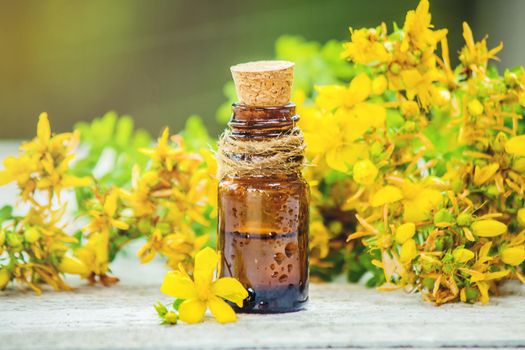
(262, 122)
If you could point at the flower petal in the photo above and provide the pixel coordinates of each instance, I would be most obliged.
(387, 194)
(513, 256)
(484, 290)
(205, 264)
(420, 207)
(516, 146)
(404, 232)
(192, 311)
(359, 90)
(488, 228)
(335, 159)
(110, 204)
(221, 310)
(373, 114)
(230, 289)
(330, 96)
(178, 285)
(43, 128)
(408, 251)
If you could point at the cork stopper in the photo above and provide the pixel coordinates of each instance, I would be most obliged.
(263, 83)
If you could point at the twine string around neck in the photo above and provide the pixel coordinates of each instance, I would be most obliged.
(282, 154)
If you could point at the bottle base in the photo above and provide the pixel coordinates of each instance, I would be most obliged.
(274, 300)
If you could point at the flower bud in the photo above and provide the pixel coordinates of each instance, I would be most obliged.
(409, 126)
(395, 68)
(409, 108)
(405, 232)
(513, 256)
(161, 309)
(488, 228)
(171, 317)
(510, 78)
(464, 219)
(498, 143)
(492, 191)
(31, 235)
(364, 172)
(443, 218)
(428, 283)
(462, 255)
(13, 239)
(376, 149)
(472, 294)
(164, 227)
(4, 278)
(144, 225)
(441, 97)
(518, 165)
(408, 251)
(73, 266)
(475, 108)
(516, 146)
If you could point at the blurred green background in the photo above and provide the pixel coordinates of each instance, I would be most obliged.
(161, 61)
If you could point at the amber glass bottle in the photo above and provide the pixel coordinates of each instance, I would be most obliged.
(263, 220)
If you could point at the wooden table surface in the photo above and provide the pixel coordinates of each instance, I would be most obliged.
(338, 316)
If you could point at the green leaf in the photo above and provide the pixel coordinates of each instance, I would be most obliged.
(6, 213)
(124, 131)
(177, 303)
(195, 134)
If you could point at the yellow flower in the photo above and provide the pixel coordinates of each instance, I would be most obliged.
(475, 108)
(420, 85)
(95, 253)
(139, 198)
(364, 172)
(163, 154)
(364, 47)
(171, 317)
(44, 163)
(476, 53)
(462, 255)
(105, 219)
(409, 108)
(408, 251)
(488, 228)
(513, 255)
(177, 247)
(516, 146)
(419, 201)
(387, 194)
(18, 169)
(202, 292)
(417, 28)
(334, 96)
(405, 232)
(346, 118)
(483, 174)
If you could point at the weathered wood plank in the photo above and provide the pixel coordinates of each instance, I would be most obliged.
(339, 315)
